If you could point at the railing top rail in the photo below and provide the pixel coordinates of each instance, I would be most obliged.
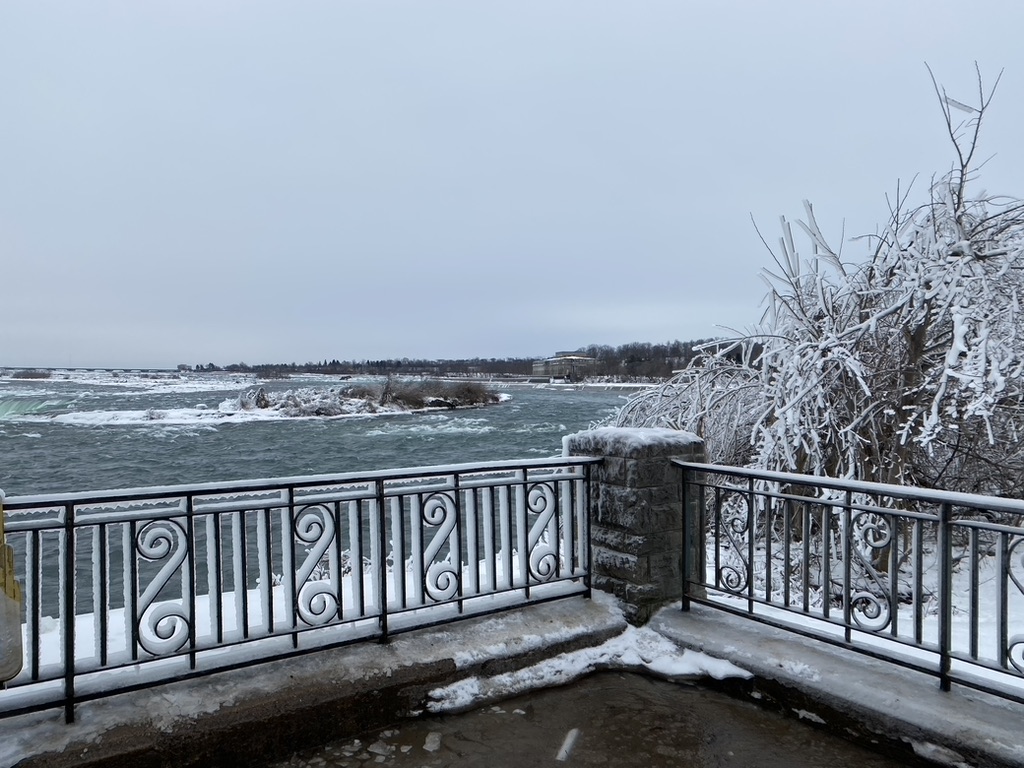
(15, 503)
(954, 498)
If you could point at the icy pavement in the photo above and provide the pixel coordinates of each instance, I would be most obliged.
(606, 719)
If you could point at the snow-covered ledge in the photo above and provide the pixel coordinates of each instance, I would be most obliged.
(636, 515)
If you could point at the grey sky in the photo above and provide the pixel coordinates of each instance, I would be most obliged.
(245, 181)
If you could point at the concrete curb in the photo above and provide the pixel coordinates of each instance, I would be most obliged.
(898, 710)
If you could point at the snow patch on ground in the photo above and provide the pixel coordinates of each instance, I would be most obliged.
(635, 649)
(800, 669)
(803, 714)
(938, 754)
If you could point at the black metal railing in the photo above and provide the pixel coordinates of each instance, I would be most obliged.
(126, 589)
(930, 580)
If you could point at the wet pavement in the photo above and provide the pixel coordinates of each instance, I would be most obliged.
(607, 719)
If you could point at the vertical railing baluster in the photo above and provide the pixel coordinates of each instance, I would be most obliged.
(1002, 600)
(215, 576)
(684, 492)
(751, 535)
(847, 553)
(381, 562)
(189, 577)
(265, 566)
(718, 537)
(290, 587)
(565, 553)
(894, 575)
(558, 520)
(399, 545)
(455, 539)
(490, 540)
(374, 510)
(419, 566)
(128, 586)
(583, 503)
(945, 546)
(701, 526)
(787, 548)
(100, 596)
(472, 567)
(826, 560)
(240, 565)
(355, 532)
(918, 597)
(805, 571)
(338, 569)
(505, 525)
(34, 610)
(522, 528)
(769, 506)
(975, 586)
(68, 612)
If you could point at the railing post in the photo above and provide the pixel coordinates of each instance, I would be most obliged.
(636, 515)
(945, 593)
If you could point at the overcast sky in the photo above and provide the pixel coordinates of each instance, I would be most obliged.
(275, 182)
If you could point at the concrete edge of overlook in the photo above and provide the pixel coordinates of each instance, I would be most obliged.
(898, 711)
(266, 713)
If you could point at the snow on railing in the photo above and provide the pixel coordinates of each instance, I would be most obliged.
(930, 580)
(125, 589)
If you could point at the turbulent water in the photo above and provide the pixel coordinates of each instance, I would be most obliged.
(79, 431)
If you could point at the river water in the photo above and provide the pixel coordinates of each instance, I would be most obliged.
(80, 431)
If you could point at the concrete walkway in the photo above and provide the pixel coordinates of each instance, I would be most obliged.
(265, 713)
(606, 719)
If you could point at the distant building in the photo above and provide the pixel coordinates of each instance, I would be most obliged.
(565, 365)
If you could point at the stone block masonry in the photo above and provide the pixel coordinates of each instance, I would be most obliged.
(636, 514)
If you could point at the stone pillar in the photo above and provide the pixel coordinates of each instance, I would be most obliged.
(636, 514)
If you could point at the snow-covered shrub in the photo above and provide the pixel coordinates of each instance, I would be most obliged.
(907, 367)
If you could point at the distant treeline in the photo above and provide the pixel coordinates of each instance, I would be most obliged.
(640, 359)
(636, 360)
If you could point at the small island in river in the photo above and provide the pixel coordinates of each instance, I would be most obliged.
(390, 396)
